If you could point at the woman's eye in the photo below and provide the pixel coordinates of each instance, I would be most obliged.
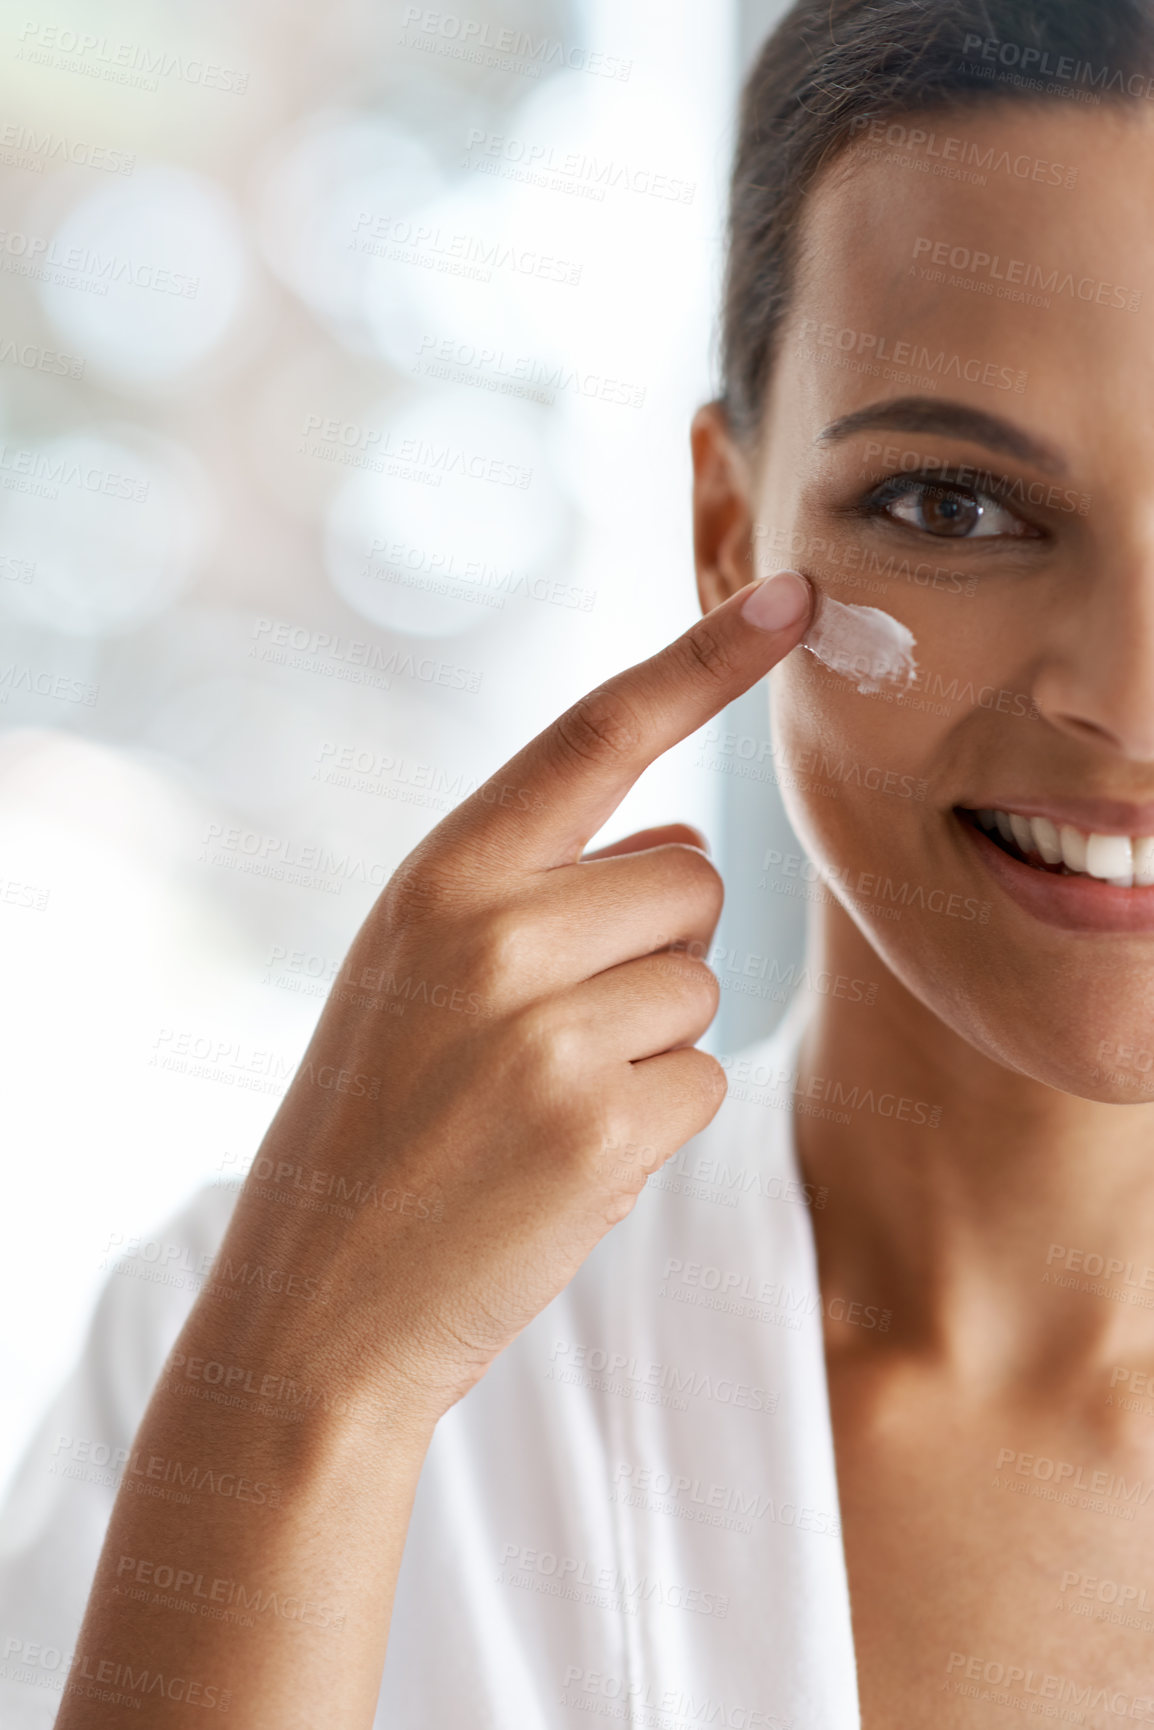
(948, 511)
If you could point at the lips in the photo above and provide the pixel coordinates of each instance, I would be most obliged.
(1125, 860)
(1050, 891)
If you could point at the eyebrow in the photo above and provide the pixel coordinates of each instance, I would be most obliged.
(926, 414)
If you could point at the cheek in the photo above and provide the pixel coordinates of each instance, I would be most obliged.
(863, 786)
(857, 772)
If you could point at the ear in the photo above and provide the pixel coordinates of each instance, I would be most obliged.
(722, 509)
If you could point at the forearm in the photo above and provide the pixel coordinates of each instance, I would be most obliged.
(252, 1554)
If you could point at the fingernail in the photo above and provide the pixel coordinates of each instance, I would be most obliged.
(777, 602)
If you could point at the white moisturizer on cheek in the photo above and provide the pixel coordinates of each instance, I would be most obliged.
(863, 644)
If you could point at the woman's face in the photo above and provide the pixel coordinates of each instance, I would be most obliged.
(1001, 332)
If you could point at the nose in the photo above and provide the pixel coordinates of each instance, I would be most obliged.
(1095, 682)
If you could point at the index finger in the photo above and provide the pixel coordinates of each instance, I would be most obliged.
(542, 807)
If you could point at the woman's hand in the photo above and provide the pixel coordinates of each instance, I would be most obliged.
(515, 1031)
(432, 1179)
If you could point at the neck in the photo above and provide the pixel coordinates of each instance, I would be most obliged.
(959, 1185)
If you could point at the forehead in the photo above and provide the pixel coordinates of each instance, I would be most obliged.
(1001, 255)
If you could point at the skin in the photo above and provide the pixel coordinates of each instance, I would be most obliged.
(583, 1039)
(1000, 1023)
(521, 1105)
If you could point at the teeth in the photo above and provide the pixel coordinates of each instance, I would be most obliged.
(1022, 832)
(1047, 839)
(1073, 847)
(1111, 857)
(1124, 860)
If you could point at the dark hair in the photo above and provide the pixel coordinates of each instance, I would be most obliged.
(830, 66)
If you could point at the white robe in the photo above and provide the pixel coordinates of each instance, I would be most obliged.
(634, 1513)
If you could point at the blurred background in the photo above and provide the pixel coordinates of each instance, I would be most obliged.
(347, 356)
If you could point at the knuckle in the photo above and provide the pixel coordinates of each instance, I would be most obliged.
(714, 1081)
(693, 892)
(551, 1052)
(609, 1152)
(693, 981)
(705, 651)
(708, 988)
(691, 863)
(622, 1204)
(498, 954)
(701, 1085)
(632, 1163)
(612, 1131)
(600, 728)
(418, 892)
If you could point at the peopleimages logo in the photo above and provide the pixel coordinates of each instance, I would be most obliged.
(869, 350)
(947, 148)
(641, 1701)
(37, 359)
(1019, 272)
(122, 62)
(1039, 63)
(570, 170)
(733, 1508)
(46, 470)
(504, 47)
(206, 1590)
(575, 1362)
(1096, 1479)
(606, 1586)
(966, 1668)
(19, 139)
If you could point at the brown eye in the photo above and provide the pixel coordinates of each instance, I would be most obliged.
(950, 513)
(947, 512)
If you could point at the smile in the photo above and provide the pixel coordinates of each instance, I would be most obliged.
(1108, 887)
(1127, 861)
